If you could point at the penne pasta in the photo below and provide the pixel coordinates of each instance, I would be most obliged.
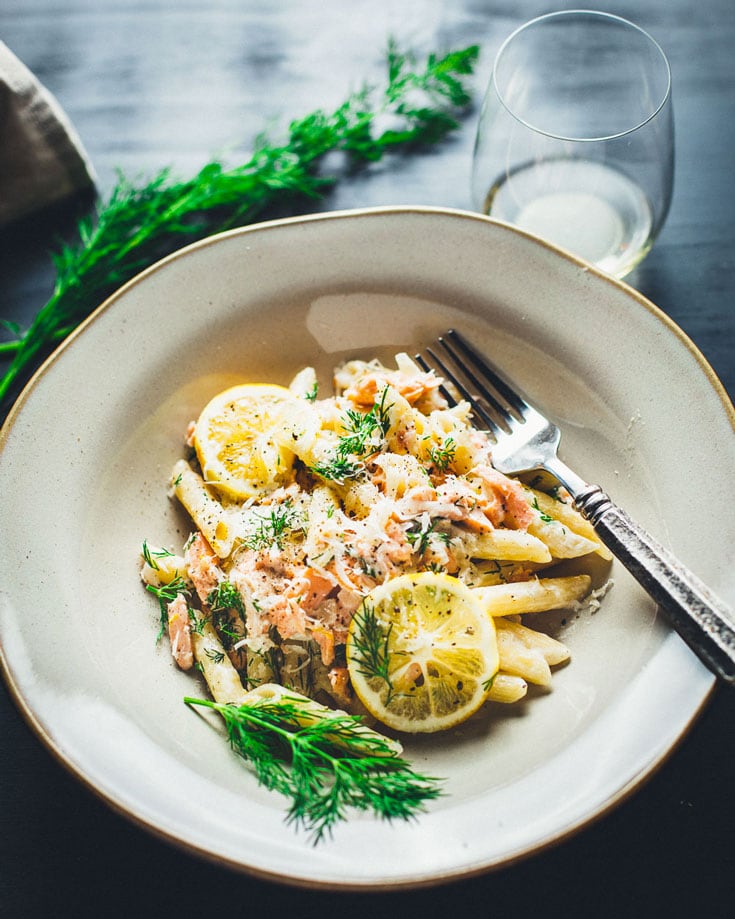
(222, 678)
(507, 688)
(507, 545)
(535, 596)
(204, 508)
(527, 653)
(569, 517)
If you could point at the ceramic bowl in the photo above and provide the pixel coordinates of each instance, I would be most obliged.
(84, 463)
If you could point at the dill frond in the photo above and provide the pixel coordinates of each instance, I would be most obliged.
(137, 225)
(371, 641)
(326, 767)
(273, 528)
(165, 594)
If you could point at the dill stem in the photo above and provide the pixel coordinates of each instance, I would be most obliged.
(26, 348)
(252, 718)
(136, 226)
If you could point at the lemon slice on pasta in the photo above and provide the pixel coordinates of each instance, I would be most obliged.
(244, 437)
(422, 652)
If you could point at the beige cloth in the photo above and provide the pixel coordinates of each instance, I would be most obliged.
(42, 159)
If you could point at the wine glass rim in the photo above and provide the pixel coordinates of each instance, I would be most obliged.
(592, 14)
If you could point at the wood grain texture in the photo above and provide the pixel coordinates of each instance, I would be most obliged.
(150, 83)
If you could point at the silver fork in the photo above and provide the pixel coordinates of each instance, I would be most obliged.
(525, 440)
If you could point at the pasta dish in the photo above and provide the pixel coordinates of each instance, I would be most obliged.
(359, 549)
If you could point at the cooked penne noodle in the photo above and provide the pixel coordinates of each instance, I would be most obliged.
(527, 653)
(536, 596)
(506, 545)
(203, 507)
(221, 676)
(569, 517)
(559, 539)
(488, 572)
(507, 688)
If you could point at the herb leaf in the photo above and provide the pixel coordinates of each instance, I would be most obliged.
(150, 555)
(420, 534)
(325, 767)
(364, 436)
(443, 456)
(225, 596)
(139, 224)
(273, 528)
(365, 431)
(166, 593)
(338, 470)
(370, 644)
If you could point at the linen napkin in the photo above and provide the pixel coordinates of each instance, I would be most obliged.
(42, 159)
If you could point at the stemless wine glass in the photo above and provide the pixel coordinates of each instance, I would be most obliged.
(576, 141)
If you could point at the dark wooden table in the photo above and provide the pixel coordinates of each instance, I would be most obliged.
(173, 82)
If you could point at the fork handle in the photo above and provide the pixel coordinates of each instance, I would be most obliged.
(703, 620)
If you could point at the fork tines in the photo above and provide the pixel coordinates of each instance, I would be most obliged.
(474, 379)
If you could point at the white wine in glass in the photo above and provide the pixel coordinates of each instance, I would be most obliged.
(575, 140)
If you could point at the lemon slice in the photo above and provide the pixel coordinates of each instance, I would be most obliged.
(421, 652)
(244, 435)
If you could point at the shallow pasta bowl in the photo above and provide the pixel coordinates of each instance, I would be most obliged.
(103, 423)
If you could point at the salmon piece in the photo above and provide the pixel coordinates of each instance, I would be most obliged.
(396, 551)
(506, 501)
(306, 590)
(288, 617)
(364, 391)
(201, 563)
(205, 573)
(325, 639)
(179, 631)
(453, 500)
(339, 680)
(320, 587)
(310, 588)
(350, 577)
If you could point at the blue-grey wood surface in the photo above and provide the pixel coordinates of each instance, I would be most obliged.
(150, 83)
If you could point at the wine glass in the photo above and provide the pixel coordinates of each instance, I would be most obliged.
(575, 141)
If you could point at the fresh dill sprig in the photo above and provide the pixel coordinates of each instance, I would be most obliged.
(442, 456)
(365, 432)
(420, 535)
(364, 436)
(226, 596)
(222, 600)
(370, 644)
(165, 594)
(137, 225)
(339, 470)
(150, 555)
(273, 527)
(327, 767)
